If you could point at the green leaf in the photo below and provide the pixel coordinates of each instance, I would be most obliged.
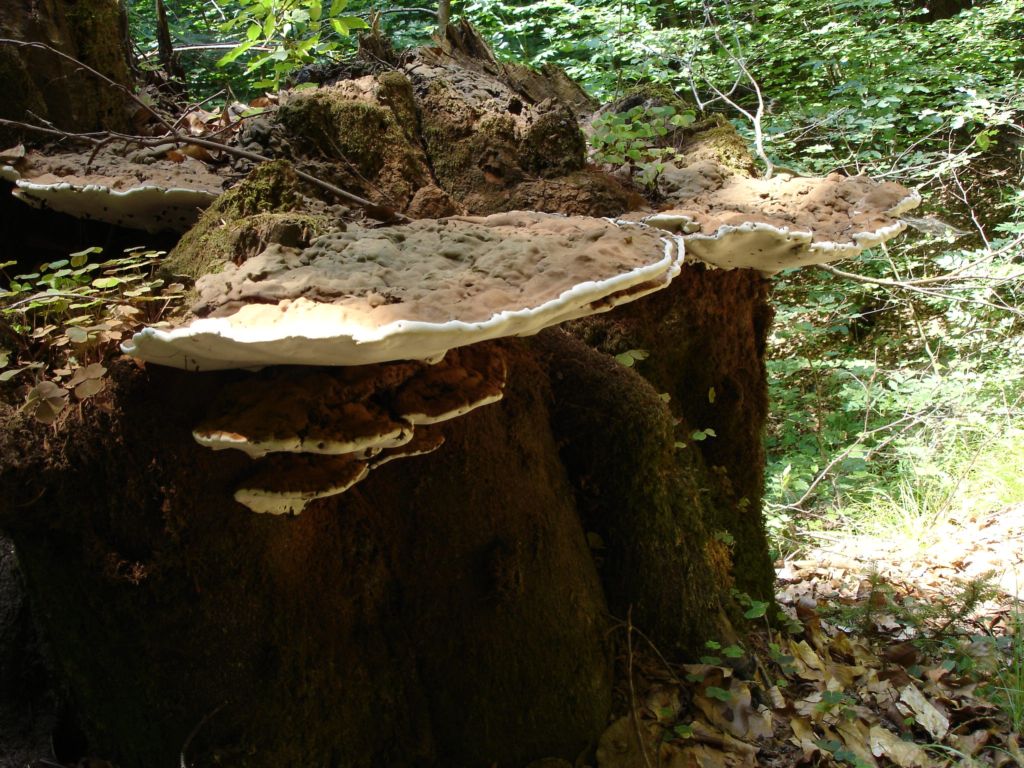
(683, 731)
(106, 282)
(345, 24)
(8, 375)
(79, 258)
(269, 26)
(77, 335)
(718, 693)
(756, 610)
(234, 53)
(89, 387)
(253, 32)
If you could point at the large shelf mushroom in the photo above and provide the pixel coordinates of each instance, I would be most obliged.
(731, 220)
(412, 292)
(142, 191)
(399, 324)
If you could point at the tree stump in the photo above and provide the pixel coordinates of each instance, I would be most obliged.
(456, 609)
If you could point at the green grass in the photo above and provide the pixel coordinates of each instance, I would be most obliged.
(1009, 689)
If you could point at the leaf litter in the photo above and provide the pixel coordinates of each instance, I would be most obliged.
(882, 657)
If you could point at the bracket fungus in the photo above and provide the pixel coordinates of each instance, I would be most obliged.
(733, 221)
(141, 192)
(327, 428)
(397, 322)
(412, 292)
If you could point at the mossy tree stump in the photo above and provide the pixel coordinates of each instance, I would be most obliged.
(457, 609)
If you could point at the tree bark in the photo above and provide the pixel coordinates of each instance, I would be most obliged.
(35, 85)
(446, 611)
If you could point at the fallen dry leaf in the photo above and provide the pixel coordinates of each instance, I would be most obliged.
(905, 754)
(924, 712)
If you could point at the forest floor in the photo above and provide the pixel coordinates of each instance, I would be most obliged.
(893, 652)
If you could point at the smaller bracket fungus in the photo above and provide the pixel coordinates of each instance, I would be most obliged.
(467, 378)
(733, 221)
(327, 428)
(296, 423)
(286, 484)
(148, 193)
(412, 292)
(425, 440)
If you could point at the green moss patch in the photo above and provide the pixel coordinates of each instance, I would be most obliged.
(260, 210)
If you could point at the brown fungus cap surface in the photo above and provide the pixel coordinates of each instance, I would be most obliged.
(357, 411)
(309, 410)
(285, 484)
(467, 378)
(411, 292)
(141, 190)
(734, 221)
(326, 428)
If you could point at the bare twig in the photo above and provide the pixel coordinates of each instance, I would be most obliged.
(955, 275)
(188, 741)
(633, 710)
(207, 47)
(907, 421)
(757, 116)
(59, 295)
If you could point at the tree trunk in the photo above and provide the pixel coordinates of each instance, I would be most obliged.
(35, 85)
(446, 611)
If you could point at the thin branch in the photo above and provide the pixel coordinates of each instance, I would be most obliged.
(756, 117)
(188, 741)
(641, 742)
(909, 286)
(195, 108)
(59, 295)
(206, 47)
(913, 418)
(954, 276)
